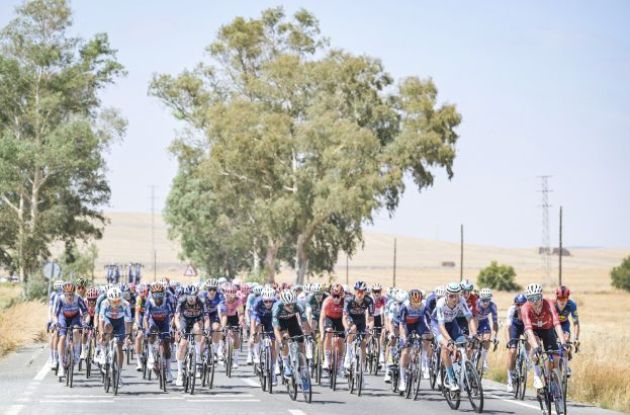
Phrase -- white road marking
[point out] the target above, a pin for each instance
(296, 412)
(222, 400)
(14, 410)
(75, 401)
(251, 382)
(74, 396)
(526, 405)
(42, 372)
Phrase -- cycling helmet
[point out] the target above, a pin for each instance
(230, 289)
(81, 282)
(257, 290)
(287, 297)
(142, 289)
(467, 285)
(58, 284)
(68, 287)
(157, 287)
(211, 284)
(485, 294)
(297, 288)
(453, 288)
(268, 294)
(400, 296)
(337, 289)
(191, 290)
(533, 289)
(377, 287)
(415, 296)
(222, 280)
(114, 294)
(92, 294)
(563, 292)
(360, 285)
(520, 299)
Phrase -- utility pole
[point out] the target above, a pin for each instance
(153, 250)
(560, 253)
(394, 276)
(461, 253)
(545, 249)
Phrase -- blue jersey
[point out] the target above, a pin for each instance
(279, 312)
(249, 304)
(260, 312)
(353, 309)
(570, 309)
(158, 313)
(69, 309)
(115, 312)
(484, 313)
(410, 315)
(212, 306)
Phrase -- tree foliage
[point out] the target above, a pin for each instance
(296, 143)
(499, 277)
(620, 275)
(53, 133)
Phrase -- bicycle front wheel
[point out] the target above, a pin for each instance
(452, 397)
(557, 393)
(474, 388)
(292, 387)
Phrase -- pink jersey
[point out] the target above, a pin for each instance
(230, 308)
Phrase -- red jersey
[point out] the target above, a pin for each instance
(547, 319)
(471, 302)
(332, 310)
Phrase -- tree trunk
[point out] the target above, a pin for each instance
(302, 259)
(270, 261)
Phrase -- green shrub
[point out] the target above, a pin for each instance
(620, 275)
(498, 277)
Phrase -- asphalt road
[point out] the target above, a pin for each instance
(28, 387)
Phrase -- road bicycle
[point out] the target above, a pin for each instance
(337, 344)
(466, 377)
(413, 372)
(111, 371)
(551, 392)
(373, 352)
(228, 337)
(521, 367)
(300, 378)
(355, 375)
(264, 367)
(189, 366)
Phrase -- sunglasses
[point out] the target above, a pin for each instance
(267, 301)
(485, 301)
(376, 291)
(453, 295)
(562, 298)
(359, 291)
(534, 298)
(336, 296)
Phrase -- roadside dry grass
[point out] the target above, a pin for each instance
(21, 324)
(8, 293)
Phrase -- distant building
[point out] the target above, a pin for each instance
(555, 251)
(448, 264)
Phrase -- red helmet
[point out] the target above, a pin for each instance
(92, 294)
(563, 292)
(337, 289)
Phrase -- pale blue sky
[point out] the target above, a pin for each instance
(543, 88)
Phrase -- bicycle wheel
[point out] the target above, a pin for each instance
(192, 372)
(474, 388)
(185, 377)
(70, 372)
(228, 359)
(409, 386)
(395, 375)
(269, 369)
(115, 372)
(332, 374)
(292, 386)
(417, 380)
(307, 388)
(434, 367)
(90, 356)
(359, 374)
(557, 393)
(376, 355)
(565, 384)
(453, 398)
(65, 362)
(106, 378)
(318, 364)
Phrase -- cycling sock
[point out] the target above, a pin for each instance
(484, 356)
(256, 349)
(179, 365)
(198, 351)
(509, 376)
(450, 373)
(537, 370)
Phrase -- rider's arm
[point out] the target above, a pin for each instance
(576, 322)
(556, 322)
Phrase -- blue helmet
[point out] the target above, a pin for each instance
(520, 299)
(360, 285)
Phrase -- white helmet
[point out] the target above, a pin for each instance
(58, 284)
(257, 290)
(533, 289)
(485, 294)
(377, 287)
(268, 293)
(287, 297)
(453, 288)
(316, 287)
(401, 296)
(114, 293)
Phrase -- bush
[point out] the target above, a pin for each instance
(620, 275)
(37, 288)
(498, 277)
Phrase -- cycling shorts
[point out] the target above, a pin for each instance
(292, 326)
(334, 324)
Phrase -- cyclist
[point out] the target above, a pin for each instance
(102, 296)
(139, 305)
(515, 329)
(231, 314)
(446, 329)
(469, 294)
(331, 319)
(412, 318)
(380, 301)
(313, 302)
(567, 308)
(212, 298)
(261, 320)
(156, 319)
(81, 285)
(88, 319)
(484, 309)
(288, 318)
(392, 324)
(52, 303)
(541, 323)
(249, 322)
(190, 316)
(69, 308)
(355, 321)
(115, 319)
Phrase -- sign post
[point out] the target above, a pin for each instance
(52, 270)
(190, 271)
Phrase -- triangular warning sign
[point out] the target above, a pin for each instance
(190, 271)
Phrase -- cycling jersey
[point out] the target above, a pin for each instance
(331, 309)
(314, 306)
(445, 314)
(414, 318)
(570, 309)
(249, 304)
(190, 311)
(212, 305)
(115, 312)
(158, 317)
(515, 324)
(483, 314)
(546, 319)
(230, 308)
(356, 310)
(379, 304)
(69, 309)
(280, 313)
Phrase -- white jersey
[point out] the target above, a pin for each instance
(444, 314)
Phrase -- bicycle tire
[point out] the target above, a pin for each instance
(318, 364)
(333, 369)
(474, 387)
(70, 372)
(453, 399)
(434, 369)
(395, 375)
(409, 386)
(557, 393)
(269, 370)
(308, 393)
(292, 387)
(192, 372)
(565, 384)
(229, 357)
(417, 381)
(65, 364)
(115, 373)
(106, 378)
(90, 356)
(359, 375)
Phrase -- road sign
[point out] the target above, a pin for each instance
(190, 271)
(52, 270)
